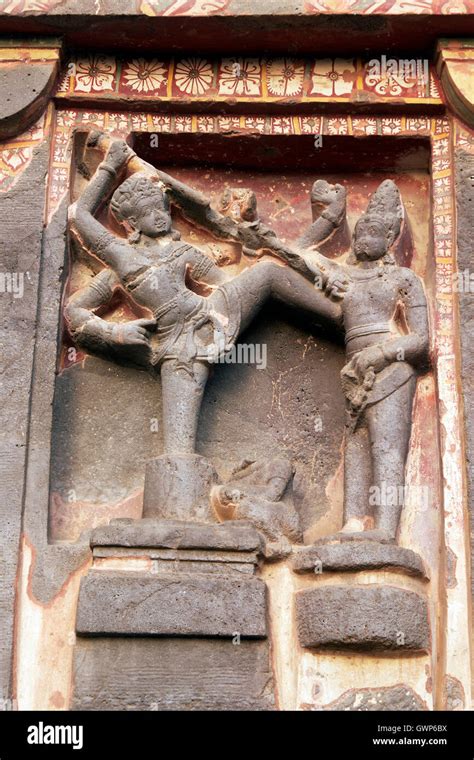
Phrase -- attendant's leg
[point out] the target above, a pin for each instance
(181, 402)
(357, 479)
(389, 428)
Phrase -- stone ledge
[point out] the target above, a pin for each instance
(363, 618)
(173, 534)
(174, 555)
(125, 603)
(354, 556)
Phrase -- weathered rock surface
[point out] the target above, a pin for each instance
(362, 618)
(172, 674)
(354, 556)
(138, 604)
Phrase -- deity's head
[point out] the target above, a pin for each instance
(141, 206)
(378, 228)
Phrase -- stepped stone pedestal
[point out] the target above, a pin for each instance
(178, 605)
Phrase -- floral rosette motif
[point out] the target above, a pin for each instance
(285, 76)
(193, 76)
(144, 76)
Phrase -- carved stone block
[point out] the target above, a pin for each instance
(134, 603)
(172, 674)
(174, 534)
(175, 547)
(362, 618)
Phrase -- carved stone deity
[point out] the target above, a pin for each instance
(385, 318)
(195, 312)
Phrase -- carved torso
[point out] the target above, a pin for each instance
(161, 287)
(371, 303)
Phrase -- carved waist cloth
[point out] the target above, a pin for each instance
(390, 380)
(183, 340)
(362, 331)
(386, 382)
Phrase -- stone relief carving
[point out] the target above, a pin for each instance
(254, 493)
(196, 312)
(387, 340)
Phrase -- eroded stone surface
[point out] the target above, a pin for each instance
(400, 697)
(454, 695)
(94, 466)
(354, 556)
(362, 618)
(21, 219)
(465, 214)
(134, 603)
(167, 674)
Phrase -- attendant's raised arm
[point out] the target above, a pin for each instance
(328, 203)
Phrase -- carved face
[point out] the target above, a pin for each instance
(370, 239)
(153, 222)
(140, 204)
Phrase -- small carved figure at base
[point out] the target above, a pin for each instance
(254, 494)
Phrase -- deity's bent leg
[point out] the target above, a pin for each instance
(267, 279)
(357, 478)
(292, 288)
(182, 395)
(389, 428)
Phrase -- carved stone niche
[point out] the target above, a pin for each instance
(270, 406)
(215, 300)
